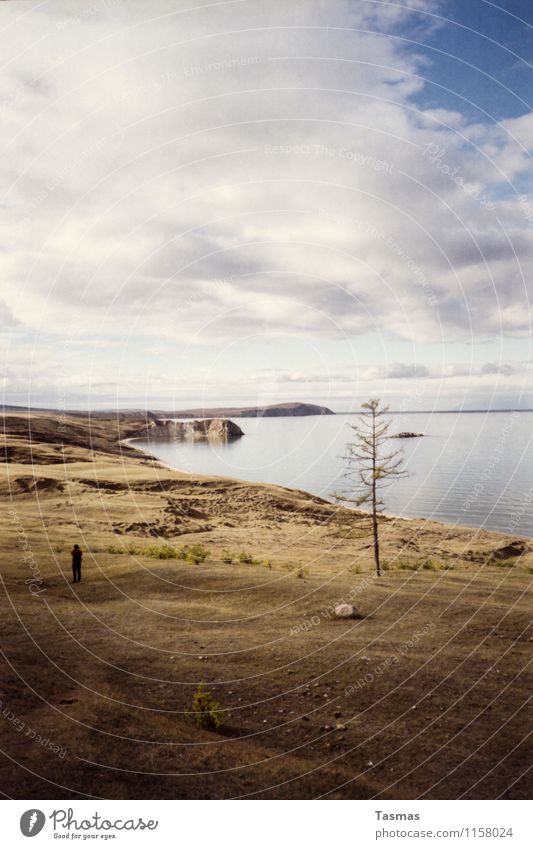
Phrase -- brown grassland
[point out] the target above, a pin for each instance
(423, 696)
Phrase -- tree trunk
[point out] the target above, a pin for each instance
(376, 542)
(374, 498)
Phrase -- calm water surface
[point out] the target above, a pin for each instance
(470, 468)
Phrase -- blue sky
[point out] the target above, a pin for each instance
(228, 203)
(484, 55)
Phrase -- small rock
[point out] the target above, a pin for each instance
(370, 763)
(346, 611)
(340, 727)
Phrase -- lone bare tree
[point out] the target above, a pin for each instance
(371, 464)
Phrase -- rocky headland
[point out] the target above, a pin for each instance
(212, 429)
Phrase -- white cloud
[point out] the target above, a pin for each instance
(194, 177)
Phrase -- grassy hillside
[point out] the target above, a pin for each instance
(423, 696)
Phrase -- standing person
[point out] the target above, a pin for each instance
(76, 563)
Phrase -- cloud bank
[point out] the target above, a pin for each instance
(199, 197)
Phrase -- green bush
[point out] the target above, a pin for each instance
(245, 557)
(425, 563)
(227, 556)
(126, 549)
(158, 552)
(197, 553)
(206, 712)
(406, 564)
(509, 563)
(161, 552)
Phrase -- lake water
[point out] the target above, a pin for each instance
(470, 468)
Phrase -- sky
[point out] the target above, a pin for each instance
(242, 202)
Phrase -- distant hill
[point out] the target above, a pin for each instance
(292, 408)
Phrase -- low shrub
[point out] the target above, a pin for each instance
(406, 565)
(206, 712)
(161, 552)
(423, 563)
(296, 568)
(505, 564)
(126, 549)
(245, 557)
(227, 556)
(197, 553)
(158, 552)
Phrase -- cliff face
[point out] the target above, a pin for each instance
(216, 429)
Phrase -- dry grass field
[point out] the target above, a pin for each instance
(424, 696)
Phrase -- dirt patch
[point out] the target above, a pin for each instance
(517, 548)
(25, 485)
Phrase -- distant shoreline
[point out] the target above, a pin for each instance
(231, 411)
(111, 441)
(366, 512)
(438, 412)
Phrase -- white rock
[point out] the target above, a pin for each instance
(346, 611)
